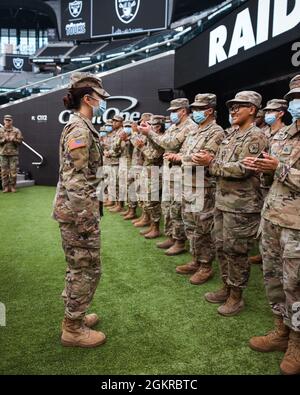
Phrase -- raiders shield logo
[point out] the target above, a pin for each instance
(75, 8)
(18, 63)
(127, 10)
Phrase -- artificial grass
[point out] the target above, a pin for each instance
(155, 321)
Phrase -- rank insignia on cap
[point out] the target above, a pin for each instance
(254, 148)
(76, 143)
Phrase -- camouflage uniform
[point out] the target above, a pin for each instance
(115, 152)
(76, 207)
(9, 154)
(281, 229)
(153, 159)
(198, 225)
(172, 141)
(77, 211)
(137, 161)
(238, 201)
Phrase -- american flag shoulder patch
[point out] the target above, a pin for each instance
(76, 143)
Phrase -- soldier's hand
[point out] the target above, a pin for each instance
(140, 143)
(123, 136)
(172, 157)
(144, 128)
(202, 158)
(266, 165)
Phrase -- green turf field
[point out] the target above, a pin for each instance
(155, 321)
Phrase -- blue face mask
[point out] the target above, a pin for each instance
(100, 109)
(174, 117)
(199, 116)
(127, 130)
(230, 119)
(103, 134)
(294, 109)
(270, 119)
(167, 125)
(108, 128)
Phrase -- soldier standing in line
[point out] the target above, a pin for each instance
(199, 224)
(260, 121)
(281, 238)
(171, 142)
(106, 143)
(137, 162)
(127, 151)
(274, 112)
(239, 201)
(114, 154)
(10, 139)
(153, 159)
(76, 208)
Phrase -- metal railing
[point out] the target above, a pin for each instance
(37, 164)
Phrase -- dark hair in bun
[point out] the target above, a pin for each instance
(72, 100)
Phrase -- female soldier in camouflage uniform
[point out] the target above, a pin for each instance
(76, 208)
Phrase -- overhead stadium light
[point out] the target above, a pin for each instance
(115, 54)
(80, 59)
(219, 11)
(41, 60)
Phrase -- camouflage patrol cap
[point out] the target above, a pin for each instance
(109, 122)
(276, 104)
(83, 80)
(8, 117)
(246, 97)
(294, 88)
(118, 118)
(167, 120)
(157, 120)
(205, 100)
(146, 116)
(179, 103)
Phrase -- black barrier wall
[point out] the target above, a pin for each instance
(134, 90)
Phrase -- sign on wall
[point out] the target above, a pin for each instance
(75, 19)
(249, 31)
(17, 63)
(119, 17)
(85, 19)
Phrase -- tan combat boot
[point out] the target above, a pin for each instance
(138, 219)
(13, 189)
(219, 296)
(203, 274)
(234, 304)
(125, 212)
(131, 214)
(6, 190)
(89, 320)
(166, 244)
(117, 209)
(154, 232)
(144, 222)
(189, 268)
(276, 340)
(290, 364)
(108, 203)
(255, 260)
(177, 248)
(148, 230)
(75, 334)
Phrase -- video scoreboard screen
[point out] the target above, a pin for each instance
(86, 19)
